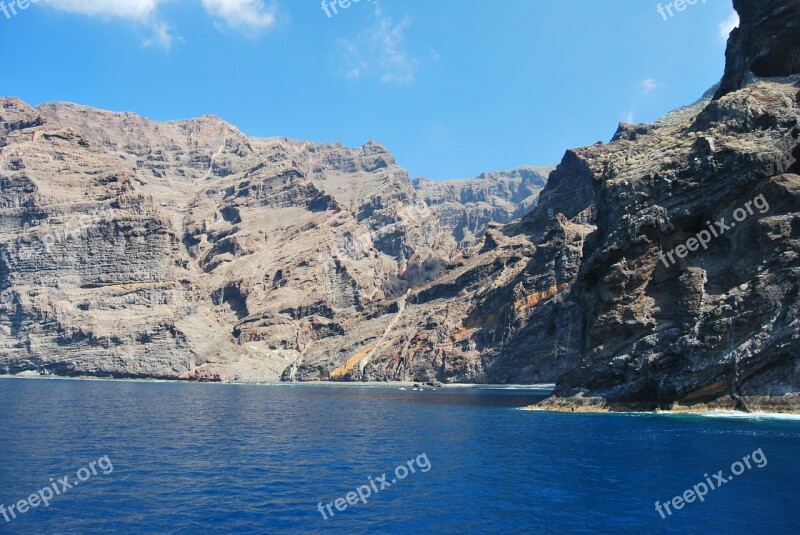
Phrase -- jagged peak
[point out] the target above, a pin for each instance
(765, 44)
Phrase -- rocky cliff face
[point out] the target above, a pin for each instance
(764, 45)
(688, 287)
(655, 271)
(186, 249)
(467, 207)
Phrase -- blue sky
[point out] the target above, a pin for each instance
(451, 88)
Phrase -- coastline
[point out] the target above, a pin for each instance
(788, 404)
(547, 388)
(710, 413)
(577, 404)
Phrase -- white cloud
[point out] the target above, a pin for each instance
(141, 11)
(648, 86)
(727, 26)
(380, 49)
(355, 72)
(129, 9)
(161, 35)
(628, 118)
(250, 14)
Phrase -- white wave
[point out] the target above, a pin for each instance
(502, 387)
(751, 415)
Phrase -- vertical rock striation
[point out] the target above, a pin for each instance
(764, 45)
(690, 286)
(132, 248)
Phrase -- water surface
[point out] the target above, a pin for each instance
(199, 458)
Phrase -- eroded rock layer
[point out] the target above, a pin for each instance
(689, 288)
(186, 249)
(659, 270)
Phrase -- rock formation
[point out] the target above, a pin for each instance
(764, 45)
(669, 318)
(659, 270)
(132, 248)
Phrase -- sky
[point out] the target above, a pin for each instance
(451, 87)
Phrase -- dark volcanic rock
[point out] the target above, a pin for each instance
(668, 321)
(766, 43)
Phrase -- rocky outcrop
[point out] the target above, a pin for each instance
(657, 271)
(132, 248)
(16, 115)
(690, 286)
(764, 45)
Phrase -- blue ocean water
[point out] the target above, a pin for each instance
(203, 458)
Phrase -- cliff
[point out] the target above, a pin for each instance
(132, 248)
(689, 286)
(657, 271)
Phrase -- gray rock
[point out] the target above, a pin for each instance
(132, 248)
(719, 326)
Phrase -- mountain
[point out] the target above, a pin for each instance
(466, 207)
(689, 287)
(657, 271)
(660, 270)
(132, 248)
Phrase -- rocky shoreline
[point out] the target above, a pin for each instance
(787, 404)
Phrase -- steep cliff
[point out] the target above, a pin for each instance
(764, 45)
(132, 248)
(467, 207)
(659, 270)
(689, 288)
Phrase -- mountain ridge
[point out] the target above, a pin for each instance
(185, 204)
(219, 257)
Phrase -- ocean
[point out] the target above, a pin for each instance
(160, 457)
